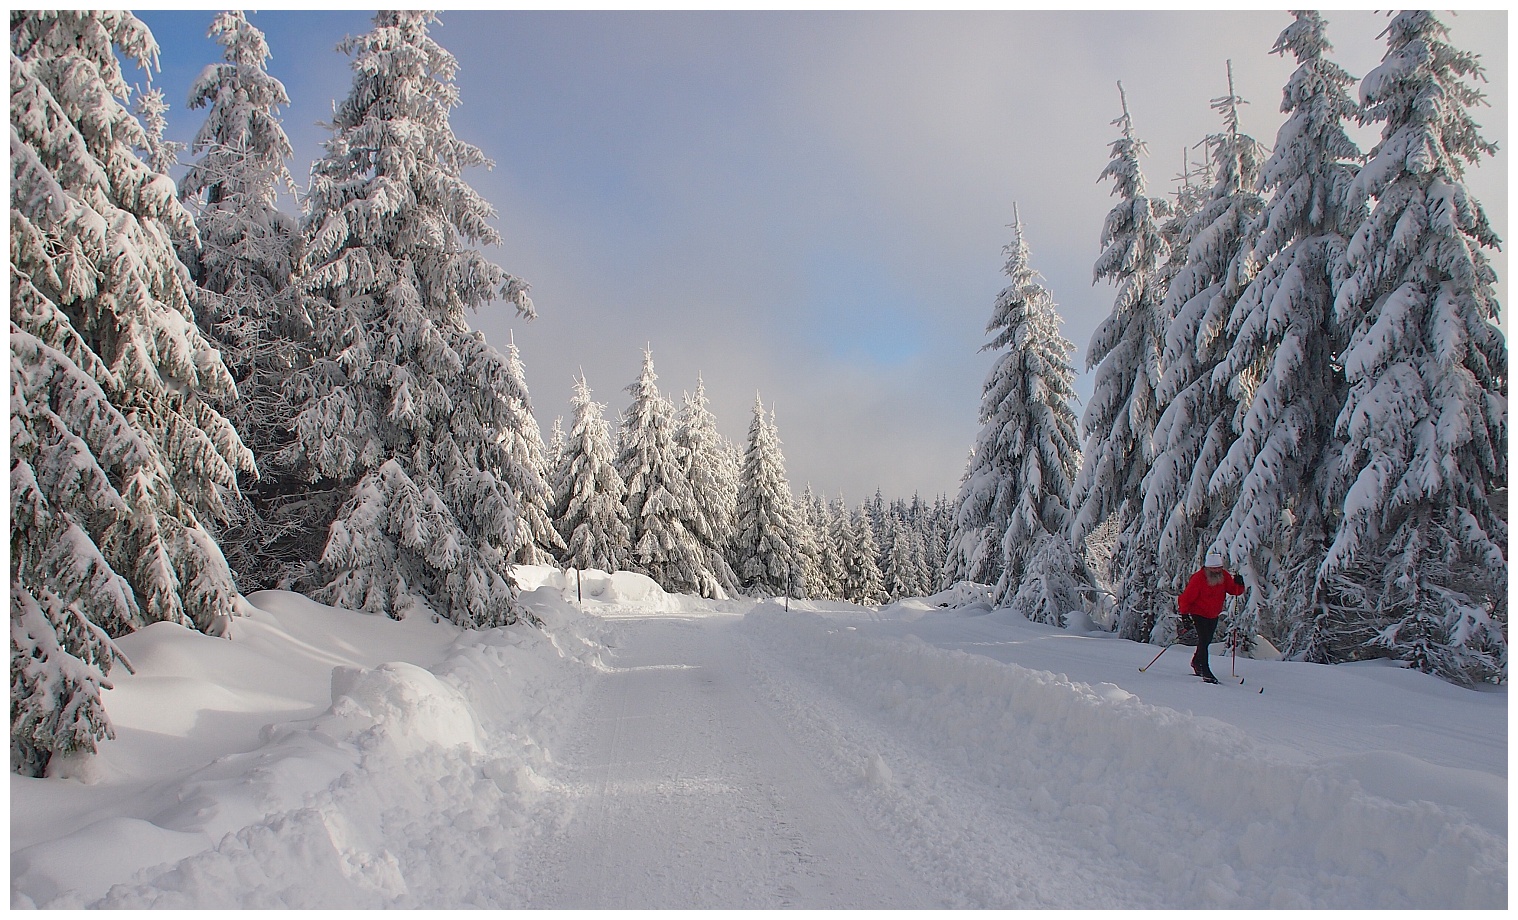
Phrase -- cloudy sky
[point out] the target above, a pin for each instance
(812, 207)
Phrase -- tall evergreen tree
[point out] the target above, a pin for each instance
(905, 575)
(589, 511)
(661, 507)
(405, 412)
(765, 554)
(557, 450)
(1285, 344)
(836, 537)
(1182, 512)
(713, 474)
(529, 476)
(1017, 495)
(1125, 352)
(248, 304)
(863, 582)
(811, 543)
(118, 459)
(1419, 558)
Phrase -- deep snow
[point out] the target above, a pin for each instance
(661, 751)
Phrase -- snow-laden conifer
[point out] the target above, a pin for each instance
(160, 153)
(1182, 512)
(765, 555)
(1418, 564)
(247, 303)
(904, 575)
(808, 545)
(810, 540)
(557, 446)
(589, 511)
(1018, 488)
(1119, 422)
(406, 413)
(712, 469)
(836, 535)
(118, 460)
(863, 582)
(529, 475)
(1194, 187)
(661, 507)
(1286, 342)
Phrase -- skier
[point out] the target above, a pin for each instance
(1203, 602)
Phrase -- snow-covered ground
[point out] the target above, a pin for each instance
(664, 752)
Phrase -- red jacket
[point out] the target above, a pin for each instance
(1201, 599)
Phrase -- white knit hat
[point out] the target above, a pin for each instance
(1214, 559)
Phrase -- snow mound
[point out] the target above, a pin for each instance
(398, 704)
(607, 589)
(405, 786)
(962, 594)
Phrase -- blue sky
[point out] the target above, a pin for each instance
(813, 206)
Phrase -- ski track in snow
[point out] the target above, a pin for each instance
(669, 753)
(679, 789)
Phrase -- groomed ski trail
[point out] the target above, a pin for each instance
(678, 787)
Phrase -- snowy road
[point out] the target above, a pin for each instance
(679, 788)
(645, 750)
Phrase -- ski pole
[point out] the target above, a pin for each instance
(1233, 633)
(1233, 640)
(1162, 651)
(1155, 658)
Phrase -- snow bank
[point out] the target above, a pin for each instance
(962, 594)
(1191, 801)
(404, 790)
(602, 589)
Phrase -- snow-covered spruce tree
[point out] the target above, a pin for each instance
(904, 572)
(862, 582)
(117, 458)
(1182, 511)
(810, 543)
(765, 557)
(837, 534)
(1016, 496)
(589, 511)
(1194, 187)
(246, 301)
(875, 512)
(529, 475)
(406, 413)
(1285, 342)
(1119, 421)
(941, 522)
(556, 457)
(908, 571)
(973, 552)
(1418, 565)
(160, 153)
(661, 508)
(712, 469)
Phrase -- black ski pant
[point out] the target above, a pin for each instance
(1205, 628)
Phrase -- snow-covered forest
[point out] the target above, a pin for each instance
(308, 611)
(1303, 369)
(213, 395)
